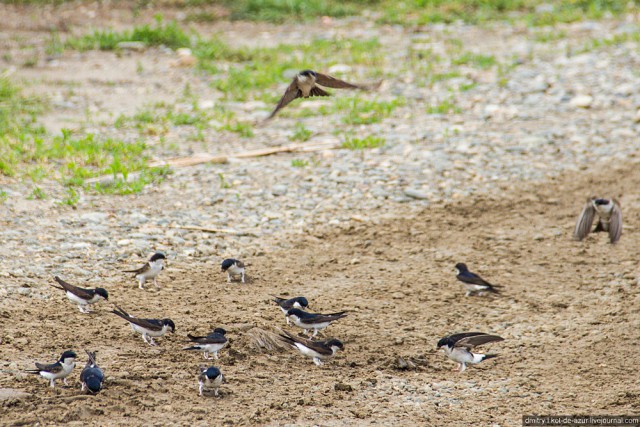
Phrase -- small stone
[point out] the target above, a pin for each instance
(135, 46)
(95, 217)
(342, 387)
(582, 101)
(279, 190)
(123, 242)
(415, 194)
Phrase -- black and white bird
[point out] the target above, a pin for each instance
(319, 351)
(288, 304)
(315, 321)
(59, 370)
(149, 328)
(305, 84)
(210, 378)
(150, 270)
(472, 282)
(91, 376)
(234, 268)
(209, 344)
(609, 215)
(458, 347)
(82, 296)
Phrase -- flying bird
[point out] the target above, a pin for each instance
(212, 343)
(81, 296)
(234, 268)
(150, 270)
(472, 282)
(55, 371)
(210, 378)
(314, 321)
(149, 328)
(458, 347)
(305, 84)
(91, 376)
(609, 219)
(287, 304)
(317, 350)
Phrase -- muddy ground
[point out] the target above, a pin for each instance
(568, 313)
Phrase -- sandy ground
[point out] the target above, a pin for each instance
(568, 313)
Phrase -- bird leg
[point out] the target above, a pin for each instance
(140, 283)
(84, 387)
(288, 321)
(155, 283)
(463, 366)
(215, 391)
(243, 277)
(317, 361)
(64, 380)
(200, 388)
(52, 383)
(315, 332)
(206, 356)
(228, 277)
(215, 354)
(151, 341)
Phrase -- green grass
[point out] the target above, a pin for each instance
(444, 107)
(37, 193)
(299, 163)
(300, 133)
(168, 34)
(370, 141)
(292, 10)
(358, 111)
(422, 12)
(28, 152)
(476, 60)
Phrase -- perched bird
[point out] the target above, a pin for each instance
(82, 296)
(304, 85)
(609, 219)
(149, 328)
(233, 267)
(150, 270)
(473, 282)
(458, 347)
(91, 376)
(212, 343)
(314, 321)
(287, 304)
(59, 370)
(210, 378)
(317, 350)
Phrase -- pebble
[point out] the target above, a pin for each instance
(582, 101)
(279, 190)
(416, 194)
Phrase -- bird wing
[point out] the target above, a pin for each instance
(290, 94)
(585, 221)
(473, 279)
(317, 346)
(313, 318)
(328, 81)
(53, 368)
(150, 324)
(213, 338)
(79, 292)
(140, 270)
(239, 264)
(476, 340)
(615, 224)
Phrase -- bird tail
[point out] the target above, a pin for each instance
(278, 300)
(195, 347)
(316, 91)
(92, 358)
(287, 338)
(120, 312)
(60, 281)
(489, 356)
(339, 314)
(32, 371)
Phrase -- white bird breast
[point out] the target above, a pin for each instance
(309, 352)
(142, 330)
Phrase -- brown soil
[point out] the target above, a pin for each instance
(568, 313)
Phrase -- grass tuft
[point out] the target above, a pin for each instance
(370, 141)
